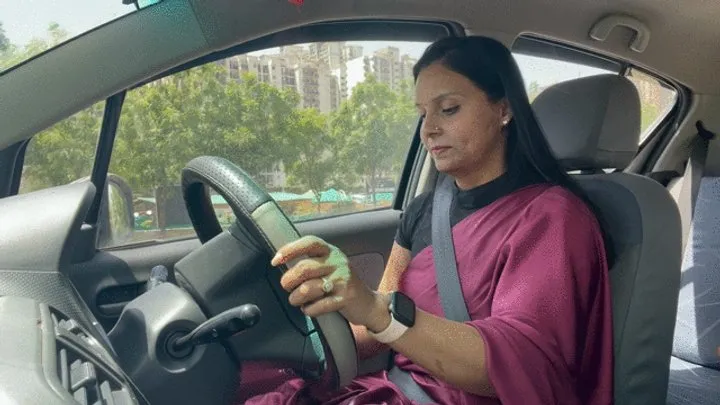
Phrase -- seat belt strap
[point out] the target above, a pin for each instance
(692, 177)
(446, 275)
(403, 380)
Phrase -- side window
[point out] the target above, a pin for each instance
(62, 153)
(323, 127)
(540, 72)
(656, 99)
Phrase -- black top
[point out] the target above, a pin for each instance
(414, 230)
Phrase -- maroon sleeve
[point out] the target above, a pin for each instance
(548, 339)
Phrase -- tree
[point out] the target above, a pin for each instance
(649, 112)
(533, 90)
(312, 163)
(11, 55)
(4, 40)
(200, 112)
(64, 152)
(371, 129)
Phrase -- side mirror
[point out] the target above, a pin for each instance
(116, 222)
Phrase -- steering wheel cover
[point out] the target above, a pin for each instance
(260, 215)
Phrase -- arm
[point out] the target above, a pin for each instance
(548, 338)
(451, 351)
(397, 263)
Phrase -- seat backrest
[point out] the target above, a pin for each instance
(593, 124)
(697, 331)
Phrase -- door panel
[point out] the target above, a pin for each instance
(113, 278)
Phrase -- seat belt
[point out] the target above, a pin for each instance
(692, 177)
(446, 275)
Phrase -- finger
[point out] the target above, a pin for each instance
(331, 303)
(304, 270)
(310, 246)
(307, 292)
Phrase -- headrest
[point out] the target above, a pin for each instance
(591, 122)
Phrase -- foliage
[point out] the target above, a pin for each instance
(371, 131)
(4, 40)
(203, 111)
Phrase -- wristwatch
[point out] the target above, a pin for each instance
(402, 317)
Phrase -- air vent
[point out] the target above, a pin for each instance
(88, 383)
(80, 370)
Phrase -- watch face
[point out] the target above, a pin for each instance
(403, 309)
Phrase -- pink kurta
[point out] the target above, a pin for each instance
(534, 276)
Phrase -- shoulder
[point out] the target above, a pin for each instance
(553, 200)
(419, 205)
(558, 207)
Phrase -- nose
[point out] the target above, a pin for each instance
(429, 128)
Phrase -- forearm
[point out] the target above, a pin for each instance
(451, 351)
(367, 347)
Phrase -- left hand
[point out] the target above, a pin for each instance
(327, 265)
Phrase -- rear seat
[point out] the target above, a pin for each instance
(695, 362)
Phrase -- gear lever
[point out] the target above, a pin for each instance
(219, 327)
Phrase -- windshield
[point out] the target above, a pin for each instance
(30, 27)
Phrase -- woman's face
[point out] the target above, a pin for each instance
(462, 128)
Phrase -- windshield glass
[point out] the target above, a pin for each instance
(30, 27)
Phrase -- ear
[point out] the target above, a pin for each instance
(505, 112)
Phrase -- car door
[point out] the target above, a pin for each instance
(285, 109)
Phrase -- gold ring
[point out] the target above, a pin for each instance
(327, 285)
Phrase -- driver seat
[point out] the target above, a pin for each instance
(592, 125)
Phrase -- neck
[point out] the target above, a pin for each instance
(478, 179)
(494, 166)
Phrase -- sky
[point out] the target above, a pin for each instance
(24, 19)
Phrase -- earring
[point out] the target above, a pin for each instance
(505, 121)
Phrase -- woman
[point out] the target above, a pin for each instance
(529, 248)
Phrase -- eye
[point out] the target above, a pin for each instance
(451, 110)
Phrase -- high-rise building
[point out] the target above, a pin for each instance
(352, 52)
(329, 53)
(308, 82)
(387, 65)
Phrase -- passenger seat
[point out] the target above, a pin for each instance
(695, 364)
(593, 124)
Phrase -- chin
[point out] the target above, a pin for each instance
(447, 168)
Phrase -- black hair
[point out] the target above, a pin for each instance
(492, 68)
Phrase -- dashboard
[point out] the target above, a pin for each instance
(52, 359)
(53, 349)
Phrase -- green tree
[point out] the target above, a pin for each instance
(4, 40)
(371, 131)
(312, 162)
(533, 90)
(64, 152)
(649, 113)
(200, 112)
(11, 55)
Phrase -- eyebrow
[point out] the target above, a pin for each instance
(441, 96)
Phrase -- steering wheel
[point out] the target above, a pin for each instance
(232, 268)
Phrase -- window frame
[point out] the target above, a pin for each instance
(649, 149)
(544, 47)
(332, 31)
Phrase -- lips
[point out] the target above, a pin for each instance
(438, 149)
